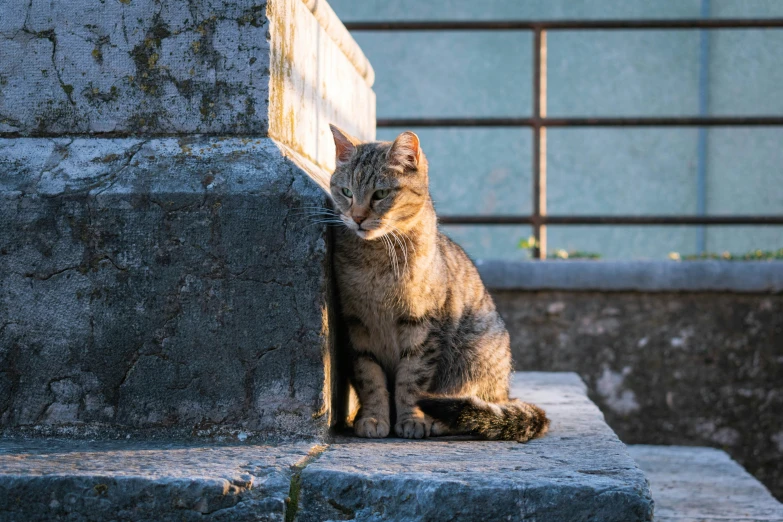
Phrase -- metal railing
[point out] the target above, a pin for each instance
(539, 121)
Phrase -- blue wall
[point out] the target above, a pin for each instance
(591, 73)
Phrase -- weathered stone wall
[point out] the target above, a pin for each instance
(160, 283)
(134, 66)
(319, 76)
(283, 68)
(699, 368)
(160, 267)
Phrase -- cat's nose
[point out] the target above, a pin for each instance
(359, 218)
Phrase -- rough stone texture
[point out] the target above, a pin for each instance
(666, 368)
(579, 471)
(703, 485)
(134, 66)
(152, 278)
(129, 480)
(246, 67)
(161, 283)
(313, 83)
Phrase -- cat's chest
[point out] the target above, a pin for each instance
(371, 294)
(379, 292)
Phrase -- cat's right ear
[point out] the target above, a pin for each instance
(344, 144)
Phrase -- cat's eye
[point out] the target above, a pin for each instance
(347, 193)
(380, 194)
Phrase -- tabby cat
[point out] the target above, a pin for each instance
(430, 352)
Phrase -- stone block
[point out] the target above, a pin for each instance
(146, 481)
(161, 267)
(703, 485)
(579, 471)
(143, 67)
(681, 356)
(161, 283)
(283, 69)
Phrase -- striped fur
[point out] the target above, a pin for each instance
(512, 420)
(430, 352)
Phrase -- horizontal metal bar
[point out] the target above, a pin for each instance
(455, 122)
(612, 220)
(529, 25)
(630, 121)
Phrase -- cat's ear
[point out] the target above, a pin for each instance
(344, 144)
(405, 150)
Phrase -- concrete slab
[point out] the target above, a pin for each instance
(140, 481)
(703, 485)
(579, 471)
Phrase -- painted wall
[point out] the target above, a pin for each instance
(597, 73)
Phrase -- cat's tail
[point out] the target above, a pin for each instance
(512, 420)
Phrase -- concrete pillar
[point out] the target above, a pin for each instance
(159, 269)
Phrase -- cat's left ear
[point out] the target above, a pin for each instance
(405, 151)
(344, 144)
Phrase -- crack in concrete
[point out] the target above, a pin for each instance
(295, 489)
(134, 150)
(50, 35)
(6, 325)
(58, 154)
(82, 268)
(134, 360)
(45, 277)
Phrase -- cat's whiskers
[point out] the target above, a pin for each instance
(405, 240)
(390, 252)
(394, 255)
(309, 214)
(392, 242)
(323, 222)
(404, 235)
(318, 216)
(403, 248)
(316, 207)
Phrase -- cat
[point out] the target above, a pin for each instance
(430, 351)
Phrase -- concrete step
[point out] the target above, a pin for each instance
(579, 471)
(703, 485)
(44, 480)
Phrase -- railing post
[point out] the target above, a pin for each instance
(539, 142)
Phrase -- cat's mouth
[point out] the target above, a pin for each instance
(374, 233)
(366, 230)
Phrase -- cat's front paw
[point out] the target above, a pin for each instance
(413, 428)
(371, 428)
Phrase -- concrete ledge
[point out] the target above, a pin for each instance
(580, 471)
(642, 276)
(128, 480)
(703, 485)
(668, 367)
